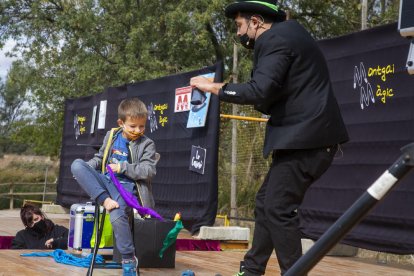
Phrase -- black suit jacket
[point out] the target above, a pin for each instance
(290, 82)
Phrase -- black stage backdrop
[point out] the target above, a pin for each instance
(376, 97)
(175, 187)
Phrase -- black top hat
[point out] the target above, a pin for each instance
(267, 8)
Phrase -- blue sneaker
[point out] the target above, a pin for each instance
(188, 272)
(130, 267)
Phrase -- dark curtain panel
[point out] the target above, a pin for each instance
(79, 142)
(175, 187)
(376, 97)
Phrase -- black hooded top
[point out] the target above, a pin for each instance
(29, 239)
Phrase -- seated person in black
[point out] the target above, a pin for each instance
(40, 232)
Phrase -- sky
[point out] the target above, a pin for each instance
(5, 62)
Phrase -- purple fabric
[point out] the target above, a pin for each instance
(6, 242)
(197, 245)
(130, 199)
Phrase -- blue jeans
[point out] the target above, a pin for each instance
(96, 184)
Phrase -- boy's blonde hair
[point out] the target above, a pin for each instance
(132, 107)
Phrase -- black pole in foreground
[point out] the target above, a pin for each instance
(98, 234)
(355, 213)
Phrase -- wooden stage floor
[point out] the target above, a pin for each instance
(203, 263)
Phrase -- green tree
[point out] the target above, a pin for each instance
(80, 47)
(12, 111)
(327, 19)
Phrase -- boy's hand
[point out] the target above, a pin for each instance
(110, 204)
(116, 168)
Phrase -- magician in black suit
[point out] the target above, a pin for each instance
(290, 82)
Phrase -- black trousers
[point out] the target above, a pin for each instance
(277, 201)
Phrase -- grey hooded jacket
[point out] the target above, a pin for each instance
(140, 166)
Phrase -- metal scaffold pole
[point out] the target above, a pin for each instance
(233, 188)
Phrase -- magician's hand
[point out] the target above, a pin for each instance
(206, 85)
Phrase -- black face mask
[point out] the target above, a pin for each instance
(247, 42)
(40, 227)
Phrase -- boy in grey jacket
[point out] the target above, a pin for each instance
(131, 155)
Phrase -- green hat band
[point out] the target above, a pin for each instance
(273, 7)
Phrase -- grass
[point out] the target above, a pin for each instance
(27, 169)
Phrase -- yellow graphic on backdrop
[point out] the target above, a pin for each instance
(163, 120)
(81, 120)
(160, 107)
(383, 72)
(384, 93)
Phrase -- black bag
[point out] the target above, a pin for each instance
(149, 235)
